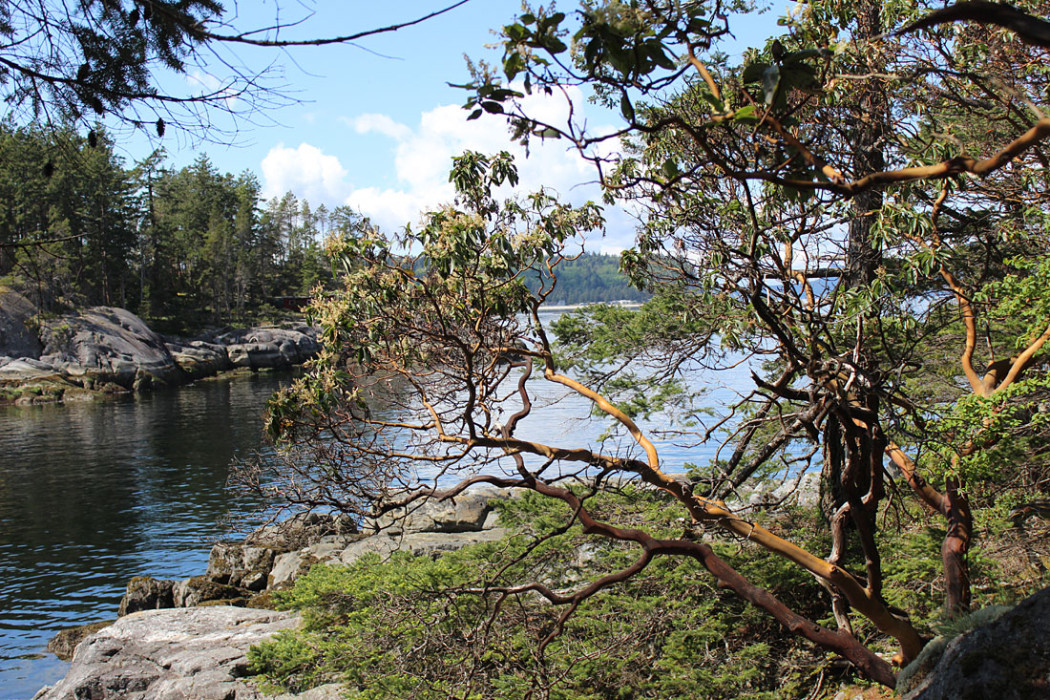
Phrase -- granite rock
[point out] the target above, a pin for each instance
(1007, 659)
(467, 512)
(170, 654)
(270, 347)
(107, 344)
(197, 358)
(147, 593)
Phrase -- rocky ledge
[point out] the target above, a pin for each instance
(106, 350)
(159, 654)
(189, 638)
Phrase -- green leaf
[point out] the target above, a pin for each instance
(659, 56)
(718, 105)
(626, 108)
(554, 45)
(619, 58)
(799, 75)
(746, 115)
(753, 72)
(590, 54)
(515, 32)
(514, 64)
(698, 25)
(796, 56)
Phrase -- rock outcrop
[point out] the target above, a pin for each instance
(199, 358)
(272, 557)
(169, 655)
(269, 347)
(108, 345)
(147, 593)
(109, 350)
(1008, 659)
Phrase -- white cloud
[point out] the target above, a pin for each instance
(421, 156)
(212, 86)
(305, 171)
(378, 123)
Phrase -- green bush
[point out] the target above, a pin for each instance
(419, 627)
(425, 628)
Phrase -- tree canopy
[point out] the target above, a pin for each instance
(64, 63)
(857, 210)
(184, 247)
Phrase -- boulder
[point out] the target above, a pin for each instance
(26, 369)
(288, 567)
(1007, 659)
(270, 347)
(198, 358)
(65, 642)
(276, 554)
(468, 512)
(302, 530)
(805, 492)
(16, 316)
(108, 344)
(426, 528)
(240, 564)
(147, 593)
(171, 654)
(199, 590)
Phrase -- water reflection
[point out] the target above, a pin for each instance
(93, 494)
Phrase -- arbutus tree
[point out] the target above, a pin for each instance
(815, 211)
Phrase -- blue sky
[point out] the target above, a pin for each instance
(376, 124)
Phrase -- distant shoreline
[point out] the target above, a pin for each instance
(574, 307)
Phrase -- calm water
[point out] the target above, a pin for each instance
(93, 494)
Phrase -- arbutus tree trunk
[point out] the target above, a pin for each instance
(851, 479)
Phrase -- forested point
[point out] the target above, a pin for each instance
(182, 247)
(590, 278)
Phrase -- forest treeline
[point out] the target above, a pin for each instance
(181, 247)
(591, 278)
(78, 227)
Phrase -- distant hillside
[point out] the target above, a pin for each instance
(591, 279)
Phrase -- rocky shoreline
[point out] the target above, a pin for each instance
(106, 350)
(190, 638)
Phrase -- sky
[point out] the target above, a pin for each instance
(375, 125)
